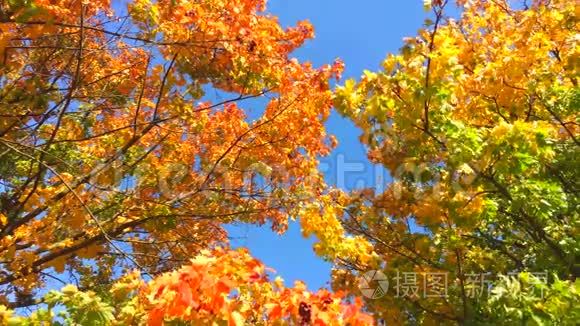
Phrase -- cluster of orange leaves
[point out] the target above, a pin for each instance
(166, 126)
(230, 285)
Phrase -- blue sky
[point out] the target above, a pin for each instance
(361, 33)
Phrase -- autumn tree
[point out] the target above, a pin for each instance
(218, 287)
(127, 142)
(477, 120)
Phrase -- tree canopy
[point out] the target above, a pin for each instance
(129, 140)
(477, 121)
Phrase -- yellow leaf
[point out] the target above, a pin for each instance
(88, 252)
(58, 264)
(69, 289)
(236, 319)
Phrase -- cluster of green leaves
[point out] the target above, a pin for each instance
(477, 120)
(69, 306)
(528, 300)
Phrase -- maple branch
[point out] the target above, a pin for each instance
(162, 87)
(230, 148)
(438, 16)
(433, 312)
(80, 200)
(9, 228)
(366, 232)
(562, 124)
(141, 92)
(36, 265)
(116, 34)
(497, 244)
